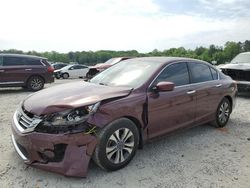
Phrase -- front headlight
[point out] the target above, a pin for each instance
(72, 117)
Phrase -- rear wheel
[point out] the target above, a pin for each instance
(65, 75)
(35, 83)
(118, 143)
(223, 113)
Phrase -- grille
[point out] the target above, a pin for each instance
(240, 75)
(25, 121)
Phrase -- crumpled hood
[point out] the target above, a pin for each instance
(69, 96)
(238, 66)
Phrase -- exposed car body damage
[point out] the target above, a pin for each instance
(41, 151)
(55, 100)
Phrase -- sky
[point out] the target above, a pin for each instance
(142, 25)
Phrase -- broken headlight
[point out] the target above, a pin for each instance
(72, 117)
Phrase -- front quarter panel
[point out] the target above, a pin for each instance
(130, 106)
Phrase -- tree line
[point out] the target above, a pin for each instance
(220, 54)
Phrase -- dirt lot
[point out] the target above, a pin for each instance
(198, 157)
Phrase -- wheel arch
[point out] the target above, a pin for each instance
(139, 128)
(230, 100)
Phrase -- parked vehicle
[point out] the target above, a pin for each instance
(58, 65)
(102, 66)
(116, 112)
(72, 71)
(26, 71)
(239, 70)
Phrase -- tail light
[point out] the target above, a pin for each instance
(50, 69)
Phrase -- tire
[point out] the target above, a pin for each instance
(35, 83)
(65, 75)
(112, 153)
(58, 77)
(222, 113)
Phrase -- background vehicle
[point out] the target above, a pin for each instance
(26, 71)
(58, 65)
(116, 112)
(102, 66)
(72, 71)
(239, 70)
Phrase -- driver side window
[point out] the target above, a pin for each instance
(176, 73)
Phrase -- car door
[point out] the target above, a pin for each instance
(84, 70)
(72, 71)
(168, 111)
(208, 89)
(13, 70)
(2, 75)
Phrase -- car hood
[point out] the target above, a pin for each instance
(238, 66)
(69, 96)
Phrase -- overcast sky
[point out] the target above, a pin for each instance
(143, 25)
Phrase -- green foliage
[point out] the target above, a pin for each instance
(212, 53)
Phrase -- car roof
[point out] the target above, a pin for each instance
(22, 55)
(164, 60)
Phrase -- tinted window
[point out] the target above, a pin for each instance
(13, 61)
(176, 73)
(30, 61)
(214, 73)
(1, 61)
(200, 72)
(79, 67)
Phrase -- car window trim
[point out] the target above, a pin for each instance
(218, 75)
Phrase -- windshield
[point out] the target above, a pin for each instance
(131, 73)
(241, 58)
(112, 61)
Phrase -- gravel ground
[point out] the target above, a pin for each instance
(199, 157)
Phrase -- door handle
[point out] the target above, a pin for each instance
(1, 70)
(218, 85)
(191, 92)
(28, 69)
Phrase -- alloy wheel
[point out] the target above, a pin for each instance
(224, 112)
(120, 145)
(36, 84)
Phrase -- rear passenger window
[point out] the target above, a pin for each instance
(176, 73)
(31, 61)
(214, 73)
(200, 72)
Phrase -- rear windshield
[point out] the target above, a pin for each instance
(241, 58)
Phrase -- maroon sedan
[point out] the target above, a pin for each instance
(114, 114)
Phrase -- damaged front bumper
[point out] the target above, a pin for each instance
(66, 154)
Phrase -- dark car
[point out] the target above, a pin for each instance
(102, 66)
(58, 65)
(26, 71)
(108, 118)
(239, 70)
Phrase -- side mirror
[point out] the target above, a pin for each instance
(164, 86)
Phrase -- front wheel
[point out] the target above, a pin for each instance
(118, 143)
(65, 75)
(223, 113)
